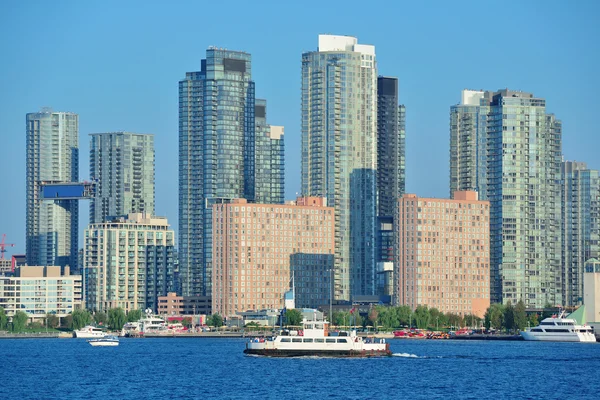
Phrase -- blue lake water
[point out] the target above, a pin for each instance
(216, 368)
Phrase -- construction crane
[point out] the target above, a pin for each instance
(3, 246)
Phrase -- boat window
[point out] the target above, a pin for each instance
(319, 341)
(547, 323)
(342, 340)
(558, 330)
(297, 340)
(318, 326)
(329, 340)
(537, 330)
(308, 326)
(286, 339)
(308, 341)
(343, 334)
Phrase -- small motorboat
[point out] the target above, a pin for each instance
(108, 340)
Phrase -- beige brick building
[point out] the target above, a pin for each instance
(444, 253)
(256, 246)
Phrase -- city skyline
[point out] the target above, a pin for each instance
(152, 107)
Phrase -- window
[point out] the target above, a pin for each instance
(342, 340)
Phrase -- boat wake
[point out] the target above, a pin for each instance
(405, 355)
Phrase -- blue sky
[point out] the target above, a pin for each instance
(117, 64)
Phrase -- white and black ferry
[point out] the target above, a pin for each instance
(316, 340)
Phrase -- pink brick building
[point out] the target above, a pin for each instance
(444, 253)
(253, 245)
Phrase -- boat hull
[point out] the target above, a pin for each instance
(318, 353)
(555, 337)
(104, 344)
(87, 335)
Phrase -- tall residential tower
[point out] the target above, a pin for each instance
(219, 155)
(122, 165)
(339, 152)
(505, 146)
(52, 157)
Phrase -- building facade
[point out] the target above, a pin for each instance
(591, 290)
(339, 152)
(38, 291)
(261, 250)
(52, 156)
(122, 167)
(443, 257)
(391, 146)
(509, 150)
(128, 263)
(580, 226)
(219, 155)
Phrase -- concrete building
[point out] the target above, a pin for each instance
(173, 304)
(52, 156)
(591, 292)
(443, 255)
(222, 148)
(580, 226)
(38, 290)
(128, 263)
(339, 152)
(5, 266)
(259, 248)
(506, 147)
(122, 166)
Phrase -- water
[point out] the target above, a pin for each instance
(216, 368)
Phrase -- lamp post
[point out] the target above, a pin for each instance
(330, 295)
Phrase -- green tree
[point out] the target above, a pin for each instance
(293, 317)
(116, 319)
(455, 320)
(472, 320)
(67, 322)
(52, 321)
(134, 315)
(19, 321)
(434, 317)
(422, 317)
(494, 316)
(373, 314)
(100, 318)
(520, 315)
(404, 315)
(534, 320)
(509, 316)
(3, 319)
(341, 318)
(187, 322)
(81, 318)
(215, 320)
(548, 310)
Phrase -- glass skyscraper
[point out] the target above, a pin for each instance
(581, 226)
(339, 152)
(122, 165)
(53, 157)
(218, 155)
(505, 146)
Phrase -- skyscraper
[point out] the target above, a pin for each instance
(52, 156)
(219, 155)
(391, 139)
(339, 152)
(505, 146)
(581, 226)
(122, 165)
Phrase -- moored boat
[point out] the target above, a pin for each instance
(108, 340)
(316, 340)
(89, 332)
(560, 328)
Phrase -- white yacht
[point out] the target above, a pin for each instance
(108, 340)
(316, 340)
(560, 328)
(89, 332)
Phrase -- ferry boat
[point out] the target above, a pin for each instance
(108, 340)
(89, 332)
(560, 328)
(316, 340)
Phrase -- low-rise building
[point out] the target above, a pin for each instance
(259, 249)
(443, 257)
(591, 292)
(173, 304)
(38, 291)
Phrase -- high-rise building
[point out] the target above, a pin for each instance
(265, 178)
(391, 146)
(339, 152)
(219, 155)
(261, 250)
(443, 253)
(128, 263)
(52, 157)
(581, 226)
(122, 166)
(505, 146)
